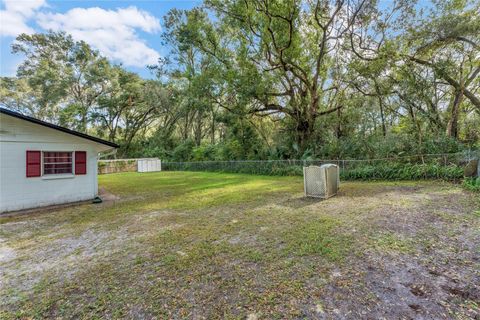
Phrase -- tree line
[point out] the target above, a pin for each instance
(260, 79)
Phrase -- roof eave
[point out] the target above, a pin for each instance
(59, 128)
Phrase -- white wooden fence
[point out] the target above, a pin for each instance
(129, 165)
(149, 165)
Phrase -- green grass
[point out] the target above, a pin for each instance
(178, 244)
(182, 190)
(389, 241)
(318, 237)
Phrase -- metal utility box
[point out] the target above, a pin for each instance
(321, 182)
(149, 165)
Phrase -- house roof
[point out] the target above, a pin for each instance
(53, 126)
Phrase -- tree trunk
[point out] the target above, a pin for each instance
(382, 115)
(186, 126)
(198, 129)
(304, 134)
(212, 139)
(382, 112)
(338, 128)
(452, 126)
(418, 128)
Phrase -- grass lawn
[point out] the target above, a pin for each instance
(211, 245)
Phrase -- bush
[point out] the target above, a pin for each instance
(472, 184)
(183, 152)
(156, 152)
(392, 145)
(404, 171)
(384, 171)
(205, 152)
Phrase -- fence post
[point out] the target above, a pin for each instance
(478, 166)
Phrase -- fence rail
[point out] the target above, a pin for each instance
(424, 166)
(443, 158)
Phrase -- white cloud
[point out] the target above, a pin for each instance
(12, 24)
(13, 20)
(24, 7)
(112, 32)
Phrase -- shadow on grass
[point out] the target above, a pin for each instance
(300, 202)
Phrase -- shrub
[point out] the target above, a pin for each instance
(404, 171)
(183, 152)
(472, 184)
(384, 171)
(205, 152)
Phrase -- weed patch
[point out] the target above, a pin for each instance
(391, 242)
(319, 237)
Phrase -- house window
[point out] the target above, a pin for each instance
(57, 162)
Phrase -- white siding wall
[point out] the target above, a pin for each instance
(19, 192)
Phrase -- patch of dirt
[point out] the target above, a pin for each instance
(399, 288)
(6, 253)
(439, 280)
(43, 210)
(61, 254)
(243, 239)
(107, 196)
(413, 255)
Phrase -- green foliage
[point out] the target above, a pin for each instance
(155, 152)
(205, 152)
(247, 80)
(392, 145)
(401, 171)
(365, 172)
(67, 82)
(472, 184)
(231, 150)
(183, 152)
(64, 77)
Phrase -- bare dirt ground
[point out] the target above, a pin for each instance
(237, 246)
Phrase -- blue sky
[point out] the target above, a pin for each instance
(127, 32)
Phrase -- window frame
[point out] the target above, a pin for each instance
(72, 163)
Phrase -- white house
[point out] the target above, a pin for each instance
(44, 164)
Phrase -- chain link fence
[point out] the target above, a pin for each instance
(427, 166)
(447, 166)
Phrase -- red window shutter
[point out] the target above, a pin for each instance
(80, 162)
(33, 164)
